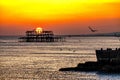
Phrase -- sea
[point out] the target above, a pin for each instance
(42, 60)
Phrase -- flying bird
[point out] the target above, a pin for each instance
(92, 30)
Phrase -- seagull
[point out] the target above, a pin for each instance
(92, 30)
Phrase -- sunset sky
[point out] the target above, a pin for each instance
(60, 16)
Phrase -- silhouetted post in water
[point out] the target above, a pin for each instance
(61, 49)
(74, 50)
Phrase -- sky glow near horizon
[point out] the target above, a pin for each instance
(58, 13)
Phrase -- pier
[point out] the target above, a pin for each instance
(39, 35)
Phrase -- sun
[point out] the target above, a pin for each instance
(39, 30)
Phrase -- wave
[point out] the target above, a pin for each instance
(8, 41)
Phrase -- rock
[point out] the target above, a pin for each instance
(94, 66)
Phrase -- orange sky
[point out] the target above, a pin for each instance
(61, 16)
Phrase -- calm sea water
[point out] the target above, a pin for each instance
(42, 61)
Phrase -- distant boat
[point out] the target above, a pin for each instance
(92, 30)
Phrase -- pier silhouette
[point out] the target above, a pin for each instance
(41, 36)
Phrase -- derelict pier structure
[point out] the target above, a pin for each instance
(39, 35)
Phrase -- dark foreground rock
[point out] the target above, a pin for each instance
(94, 66)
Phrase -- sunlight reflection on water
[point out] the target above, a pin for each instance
(41, 61)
